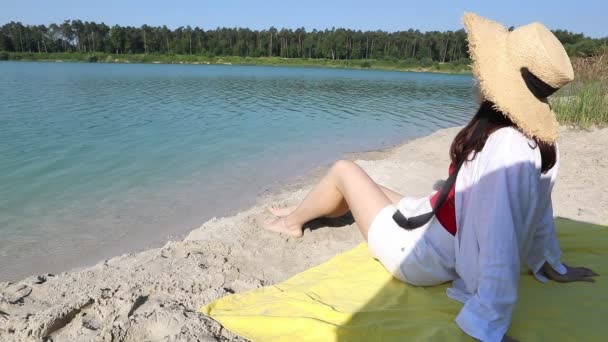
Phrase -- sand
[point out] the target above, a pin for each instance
(154, 295)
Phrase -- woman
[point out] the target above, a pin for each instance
(498, 215)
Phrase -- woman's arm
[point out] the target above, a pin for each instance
(496, 208)
(545, 255)
(544, 258)
(545, 246)
(496, 218)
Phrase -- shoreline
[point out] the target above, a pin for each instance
(254, 61)
(157, 292)
(174, 207)
(293, 182)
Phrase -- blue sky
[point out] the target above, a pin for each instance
(587, 16)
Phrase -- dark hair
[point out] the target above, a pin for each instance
(462, 146)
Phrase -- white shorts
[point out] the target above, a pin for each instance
(423, 256)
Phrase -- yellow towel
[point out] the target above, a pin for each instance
(352, 298)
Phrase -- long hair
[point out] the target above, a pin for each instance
(463, 147)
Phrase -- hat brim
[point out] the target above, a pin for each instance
(501, 82)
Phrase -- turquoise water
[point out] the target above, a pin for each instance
(102, 159)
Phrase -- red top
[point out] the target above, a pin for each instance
(446, 214)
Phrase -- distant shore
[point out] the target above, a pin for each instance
(363, 64)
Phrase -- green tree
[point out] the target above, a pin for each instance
(335, 43)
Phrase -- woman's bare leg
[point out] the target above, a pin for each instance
(344, 182)
(394, 196)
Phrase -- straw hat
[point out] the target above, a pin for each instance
(517, 70)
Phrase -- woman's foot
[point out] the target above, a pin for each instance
(281, 211)
(280, 225)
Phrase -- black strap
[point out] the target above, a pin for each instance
(420, 220)
(538, 87)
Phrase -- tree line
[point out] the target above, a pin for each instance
(336, 43)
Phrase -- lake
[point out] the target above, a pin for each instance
(102, 159)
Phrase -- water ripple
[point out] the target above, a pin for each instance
(99, 159)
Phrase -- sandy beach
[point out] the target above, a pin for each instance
(154, 295)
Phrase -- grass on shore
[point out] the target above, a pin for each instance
(584, 102)
(460, 66)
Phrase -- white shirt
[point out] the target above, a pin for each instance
(504, 217)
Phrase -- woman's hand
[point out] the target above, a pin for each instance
(572, 274)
